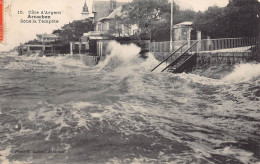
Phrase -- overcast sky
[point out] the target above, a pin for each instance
(17, 32)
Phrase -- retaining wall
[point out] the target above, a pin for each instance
(207, 58)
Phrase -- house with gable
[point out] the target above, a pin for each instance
(113, 25)
(106, 15)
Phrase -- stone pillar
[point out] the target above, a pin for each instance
(199, 39)
(97, 48)
(71, 48)
(28, 50)
(189, 36)
(101, 48)
(79, 47)
(208, 42)
(43, 48)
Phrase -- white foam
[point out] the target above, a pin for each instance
(81, 105)
(125, 53)
(96, 115)
(124, 60)
(244, 73)
(241, 155)
(64, 63)
(4, 154)
(47, 138)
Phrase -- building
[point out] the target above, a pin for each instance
(99, 9)
(184, 31)
(86, 14)
(112, 25)
(105, 15)
(112, 6)
(47, 38)
(106, 21)
(42, 46)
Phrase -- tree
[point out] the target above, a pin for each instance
(238, 19)
(184, 15)
(73, 31)
(115, 26)
(145, 13)
(153, 18)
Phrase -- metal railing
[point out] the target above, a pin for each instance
(222, 44)
(165, 60)
(227, 44)
(161, 50)
(190, 50)
(165, 46)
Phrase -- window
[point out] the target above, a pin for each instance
(103, 27)
(99, 27)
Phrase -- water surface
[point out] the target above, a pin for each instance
(58, 110)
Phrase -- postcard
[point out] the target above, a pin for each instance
(129, 81)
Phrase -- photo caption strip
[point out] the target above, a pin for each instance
(1, 20)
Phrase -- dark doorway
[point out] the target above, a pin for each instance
(193, 35)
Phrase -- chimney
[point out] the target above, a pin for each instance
(112, 6)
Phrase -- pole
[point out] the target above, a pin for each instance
(71, 48)
(258, 39)
(171, 26)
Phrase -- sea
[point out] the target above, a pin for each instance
(60, 110)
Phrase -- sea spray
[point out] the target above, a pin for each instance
(119, 55)
(126, 58)
(244, 73)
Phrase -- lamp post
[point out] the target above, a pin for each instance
(171, 25)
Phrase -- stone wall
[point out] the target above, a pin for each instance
(223, 58)
(182, 33)
(89, 60)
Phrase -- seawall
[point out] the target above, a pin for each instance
(219, 64)
(89, 60)
(206, 58)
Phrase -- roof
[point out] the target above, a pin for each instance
(183, 24)
(94, 33)
(117, 12)
(48, 35)
(36, 45)
(95, 37)
(102, 8)
(85, 8)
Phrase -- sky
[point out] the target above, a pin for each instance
(17, 32)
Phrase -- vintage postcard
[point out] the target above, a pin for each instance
(129, 81)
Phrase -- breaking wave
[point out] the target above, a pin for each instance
(244, 73)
